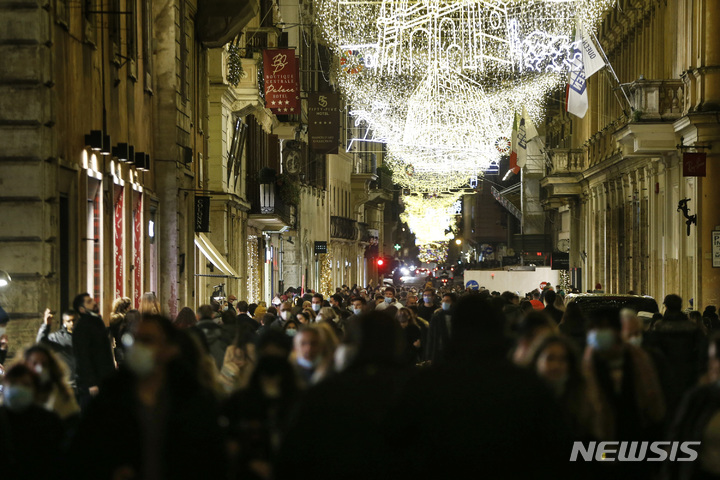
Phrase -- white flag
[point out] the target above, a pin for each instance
(522, 142)
(576, 99)
(592, 61)
(530, 130)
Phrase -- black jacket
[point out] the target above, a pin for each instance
(438, 337)
(61, 342)
(93, 352)
(216, 340)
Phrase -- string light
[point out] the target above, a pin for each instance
(253, 269)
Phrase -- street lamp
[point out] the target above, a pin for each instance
(458, 241)
(4, 278)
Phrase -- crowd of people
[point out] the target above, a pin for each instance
(366, 383)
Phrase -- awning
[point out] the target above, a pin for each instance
(208, 249)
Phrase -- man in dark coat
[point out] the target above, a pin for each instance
(550, 310)
(439, 333)
(91, 346)
(480, 415)
(212, 334)
(61, 341)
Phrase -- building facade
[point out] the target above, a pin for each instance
(614, 180)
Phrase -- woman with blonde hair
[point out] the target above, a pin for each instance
(149, 304)
(118, 324)
(54, 391)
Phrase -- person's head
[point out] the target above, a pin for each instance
(291, 327)
(19, 387)
(267, 319)
(429, 296)
(149, 304)
(121, 305)
(205, 312)
(411, 300)
(526, 306)
(326, 313)
(251, 309)
(303, 317)
(231, 299)
(696, 317)
(550, 296)
(557, 361)
(598, 286)
(478, 329)
(389, 294)
(307, 344)
(285, 311)
(535, 294)
(631, 326)
(68, 320)
(673, 303)
(405, 317)
(185, 318)
(358, 305)
(155, 343)
(448, 300)
(45, 364)
(316, 302)
(242, 307)
(84, 303)
(604, 329)
(259, 311)
(710, 311)
(336, 300)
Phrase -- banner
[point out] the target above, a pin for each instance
(202, 214)
(576, 98)
(592, 61)
(118, 244)
(280, 73)
(324, 122)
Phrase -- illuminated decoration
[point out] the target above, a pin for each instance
(433, 253)
(503, 145)
(429, 217)
(456, 208)
(326, 283)
(409, 169)
(253, 269)
(352, 62)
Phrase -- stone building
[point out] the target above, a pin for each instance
(614, 179)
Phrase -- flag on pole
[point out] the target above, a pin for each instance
(576, 99)
(592, 61)
(526, 132)
(513, 155)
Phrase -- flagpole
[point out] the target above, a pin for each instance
(612, 70)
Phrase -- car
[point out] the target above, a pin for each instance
(589, 302)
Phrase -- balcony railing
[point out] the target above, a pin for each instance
(345, 228)
(363, 232)
(657, 100)
(565, 161)
(383, 182)
(366, 164)
(269, 202)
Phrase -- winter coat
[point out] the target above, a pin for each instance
(213, 334)
(93, 352)
(61, 342)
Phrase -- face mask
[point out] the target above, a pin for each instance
(226, 308)
(43, 374)
(141, 360)
(600, 340)
(357, 311)
(284, 314)
(316, 307)
(388, 299)
(427, 299)
(637, 341)
(291, 332)
(18, 398)
(445, 306)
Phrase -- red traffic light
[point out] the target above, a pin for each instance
(380, 262)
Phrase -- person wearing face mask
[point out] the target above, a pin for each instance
(557, 361)
(389, 299)
(24, 426)
(53, 391)
(153, 419)
(92, 349)
(428, 307)
(60, 341)
(306, 353)
(284, 314)
(316, 302)
(630, 401)
(440, 331)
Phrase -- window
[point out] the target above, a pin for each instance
(147, 35)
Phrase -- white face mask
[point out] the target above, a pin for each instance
(445, 306)
(316, 307)
(427, 299)
(43, 374)
(285, 314)
(388, 299)
(18, 397)
(357, 311)
(141, 360)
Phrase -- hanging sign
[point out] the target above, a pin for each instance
(202, 214)
(324, 122)
(560, 261)
(280, 73)
(716, 248)
(694, 164)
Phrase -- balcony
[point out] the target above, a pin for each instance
(268, 211)
(343, 228)
(383, 182)
(561, 179)
(363, 232)
(565, 161)
(657, 100)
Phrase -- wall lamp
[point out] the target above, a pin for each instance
(99, 142)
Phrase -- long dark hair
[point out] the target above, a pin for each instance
(58, 371)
